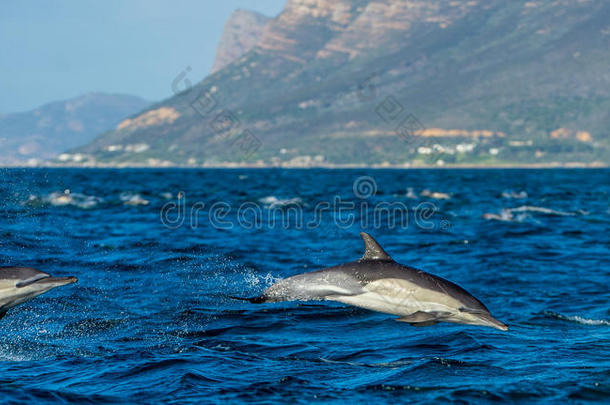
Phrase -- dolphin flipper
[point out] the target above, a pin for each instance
(419, 324)
(421, 318)
(253, 300)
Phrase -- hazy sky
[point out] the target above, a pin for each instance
(53, 50)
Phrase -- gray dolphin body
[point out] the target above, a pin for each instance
(21, 284)
(378, 283)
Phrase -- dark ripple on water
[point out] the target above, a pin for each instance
(150, 320)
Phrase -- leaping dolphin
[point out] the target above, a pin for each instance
(378, 283)
(21, 284)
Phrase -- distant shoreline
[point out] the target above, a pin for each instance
(554, 165)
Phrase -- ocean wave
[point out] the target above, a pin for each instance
(90, 326)
(389, 364)
(508, 214)
(274, 202)
(435, 195)
(504, 215)
(541, 210)
(577, 319)
(63, 199)
(411, 194)
(510, 194)
(133, 199)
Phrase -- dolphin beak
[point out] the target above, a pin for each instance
(489, 320)
(57, 281)
(499, 325)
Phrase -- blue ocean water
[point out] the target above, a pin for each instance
(157, 252)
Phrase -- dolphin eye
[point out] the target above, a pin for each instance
(32, 280)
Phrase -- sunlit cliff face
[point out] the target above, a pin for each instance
(163, 115)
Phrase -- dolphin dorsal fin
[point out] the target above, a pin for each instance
(372, 249)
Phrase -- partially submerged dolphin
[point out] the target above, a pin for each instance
(21, 284)
(378, 283)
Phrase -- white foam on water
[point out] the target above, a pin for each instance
(255, 280)
(504, 215)
(435, 195)
(411, 194)
(541, 210)
(65, 198)
(510, 194)
(579, 319)
(273, 202)
(586, 321)
(522, 213)
(133, 199)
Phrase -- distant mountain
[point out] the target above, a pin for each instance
(413, 82)
(241, 33)
(42, 133)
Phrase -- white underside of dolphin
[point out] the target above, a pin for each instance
(378, 283)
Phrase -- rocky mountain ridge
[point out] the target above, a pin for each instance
(33, 136)
(241, 33)
(438, 82)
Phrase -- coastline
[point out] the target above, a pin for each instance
(131, 165)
